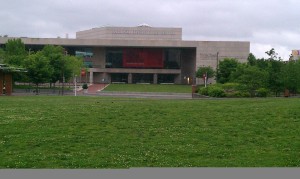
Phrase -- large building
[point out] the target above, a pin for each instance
(142, 54)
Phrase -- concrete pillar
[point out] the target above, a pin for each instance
(8, 84)
(91, 77)
(130, 78)
(155, 76)
(1, 82)
(177, 79)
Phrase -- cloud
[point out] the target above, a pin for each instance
(265, 23)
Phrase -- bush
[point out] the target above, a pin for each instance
(241, 94)
(262, 92)
(230, 86)
(215, 91)
(85, 86)
(203, 91)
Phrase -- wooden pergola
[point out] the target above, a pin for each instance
(6, 79)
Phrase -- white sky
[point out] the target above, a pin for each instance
(265, 23)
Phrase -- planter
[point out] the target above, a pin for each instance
(85, 91)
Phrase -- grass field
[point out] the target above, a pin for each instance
(149, 88)
(94, 132)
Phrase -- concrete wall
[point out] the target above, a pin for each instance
(209, 52)
(99, 57)
(131, 33)
(188, 63)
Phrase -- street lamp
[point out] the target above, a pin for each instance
(75, 81)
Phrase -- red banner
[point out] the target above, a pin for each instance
(142, 58)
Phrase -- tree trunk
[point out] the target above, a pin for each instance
(37, 89)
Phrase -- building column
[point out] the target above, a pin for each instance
(130, 78)
(155, 76)
(1, 82)
(8, 84)
(91, 77)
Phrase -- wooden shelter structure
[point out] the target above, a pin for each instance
(6, 78)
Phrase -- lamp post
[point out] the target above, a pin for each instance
(75, 81)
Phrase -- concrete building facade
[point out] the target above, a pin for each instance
(142, 54)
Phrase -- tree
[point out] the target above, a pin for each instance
(290, 76)
(2, 55)
(63, 66)
(272, 54)
(205, 70)
(226, 68)
(15, 52)
(55, 56)
(275, 82)
(38, 69)
(251, 77)
(251, 60)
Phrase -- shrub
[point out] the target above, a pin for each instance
(85, 86)
(241, 94)
(215, 91)
(203, 91)
(230, 86)
(262, 92)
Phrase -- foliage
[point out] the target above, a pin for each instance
(205, 70)
(290, 76)
(63, 66)
(39, 69)
(215, 91)
(241, 94)
(203, 91)
(2, 55)
(212, 91)
(251, 60)
(275, 82)
(252, 77)
(262, 92)
(225, 69)
(55, 54)
(85, 86)
(15, 52)
(230, 86)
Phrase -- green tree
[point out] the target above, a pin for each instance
(63, 66)
(74, 64)
(38, 69)
(272, 54)
(2, 55)
(15, 52)
(251, 60)
(55, 56)
(290, 76)
(251, 77)
(205, 70)
(226, 68)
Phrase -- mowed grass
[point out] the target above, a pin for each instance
(169, 88)
(94, 132)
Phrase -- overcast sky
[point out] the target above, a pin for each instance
(265, 23)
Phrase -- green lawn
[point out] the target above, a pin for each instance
(149, 88)
(98, 132)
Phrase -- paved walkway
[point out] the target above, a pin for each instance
(94, 88)
(147, 95)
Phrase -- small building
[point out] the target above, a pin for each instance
(295, 54)
(5, 80)
(142, 54)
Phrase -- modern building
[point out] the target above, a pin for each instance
(142, 54)
(296, 54)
